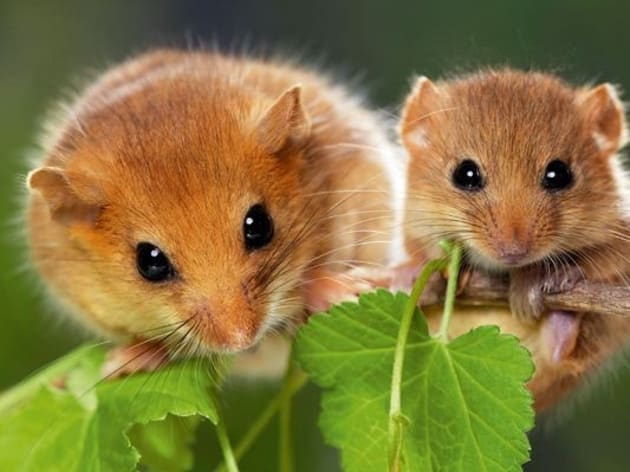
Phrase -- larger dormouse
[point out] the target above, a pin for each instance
(187, 199)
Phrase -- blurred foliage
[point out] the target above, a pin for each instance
(46, 47)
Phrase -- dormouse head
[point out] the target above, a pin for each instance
(519, 166)
(173, 210)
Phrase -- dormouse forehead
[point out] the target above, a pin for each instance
(523, 119)
(170, 176)
(162, 130)
(190, 110)
(499, 102)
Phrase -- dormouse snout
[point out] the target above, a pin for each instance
(512, 243)
(230, 328)
(513, 253)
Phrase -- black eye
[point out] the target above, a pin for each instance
(467, 176)
(257, 228)
(152, 264)
(557, 176)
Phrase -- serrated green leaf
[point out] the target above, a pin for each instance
(84, 425)
(465, 401)
(44, 432)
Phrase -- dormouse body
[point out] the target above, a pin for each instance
(523, 170)
(189, 198)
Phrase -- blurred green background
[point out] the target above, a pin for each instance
(46, 46)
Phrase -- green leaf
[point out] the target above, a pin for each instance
(9, 399)
(166, 445)
(464, 401)
(84, 426)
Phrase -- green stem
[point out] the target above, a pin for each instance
(451, 289)
(396, 419)
(224, 440)
(289, 388)
(285, 452)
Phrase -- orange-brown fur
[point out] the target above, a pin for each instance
(512, 124)
(170, 148)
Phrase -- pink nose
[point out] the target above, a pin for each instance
(513, 253)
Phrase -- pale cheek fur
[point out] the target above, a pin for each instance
(622, 183)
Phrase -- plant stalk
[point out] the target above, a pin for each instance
(229, 459)
(291, 385)
(454, 264)
(396, 419)
(285, 452)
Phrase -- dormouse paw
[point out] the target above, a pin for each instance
(325, 289)
(434, 290)
(465, 275)
(528, 286)
(526, 295)
(143, 356)
(404, 276)
(562, 280)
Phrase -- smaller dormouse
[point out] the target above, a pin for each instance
(523, 170)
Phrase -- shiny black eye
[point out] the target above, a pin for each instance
(467, 176)
(152, 264)
(558, 176)
(257, 228)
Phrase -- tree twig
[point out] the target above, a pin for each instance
(587, 297)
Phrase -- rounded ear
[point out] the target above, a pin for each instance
(284, 123)
(606, 116)
(420, 103)
(65, 204)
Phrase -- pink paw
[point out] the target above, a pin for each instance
(143, 356)
(327, 289)
(404, 276)
(528, 286)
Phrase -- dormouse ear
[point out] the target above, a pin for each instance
(284, 123)
(420, 103)
(605, 113)
(64, 202)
